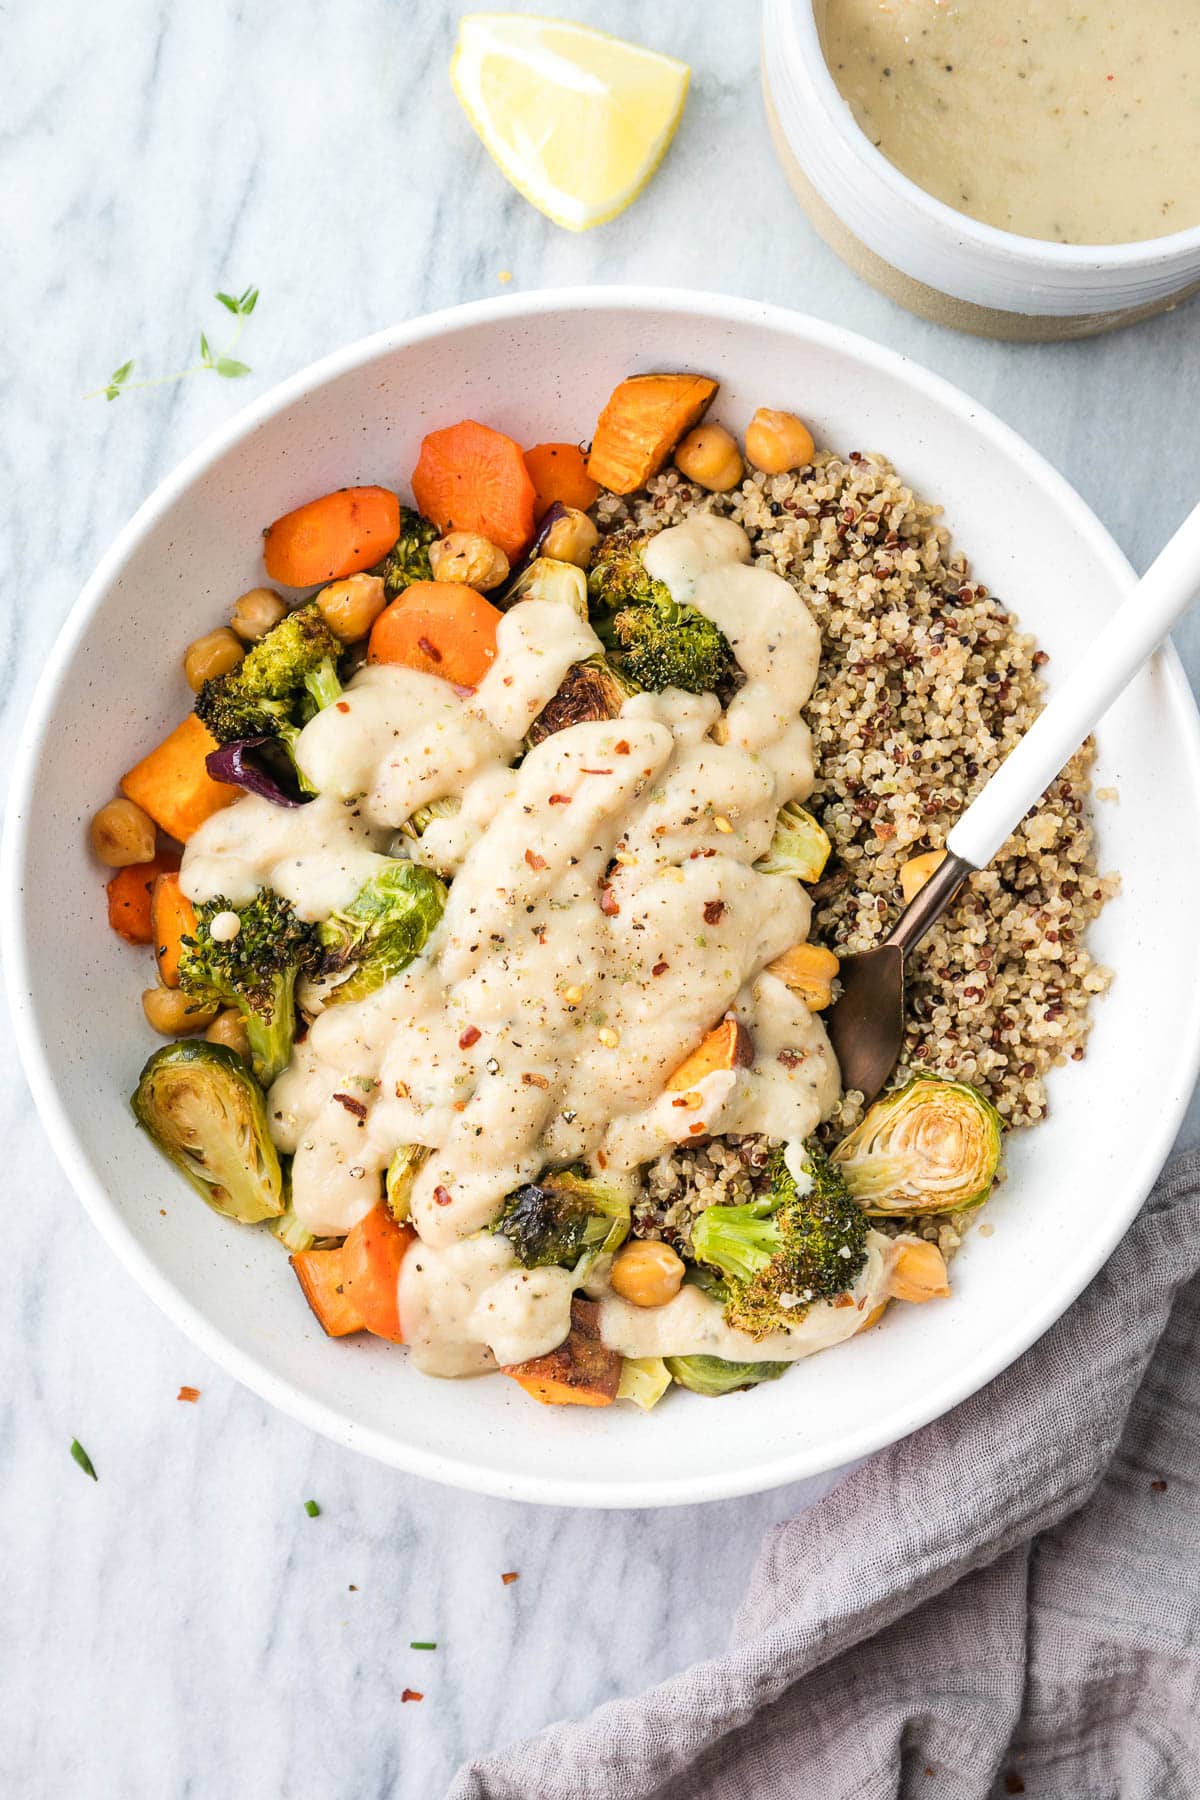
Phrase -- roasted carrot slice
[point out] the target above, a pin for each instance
(581, 1372)
(173, 785)
(322, 1282)
(471, 478)
(172, 918)
(643, 421)
(130, 903)
(371, 1258)
(443, 627)
(559, 473)
(339, 534)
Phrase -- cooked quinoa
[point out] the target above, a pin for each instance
(926, 684)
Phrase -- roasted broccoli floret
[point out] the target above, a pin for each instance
(654, 639)
(595, 689)
(408, 559)
(289, 675)
(561, 1218)
(669, 646)
(254, 968)
(798, 1242)
(204, 1110)
(381, 930)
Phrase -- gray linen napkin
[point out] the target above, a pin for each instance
(1006, 1602)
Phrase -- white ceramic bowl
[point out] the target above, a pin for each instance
(539, 366)
(935, 260)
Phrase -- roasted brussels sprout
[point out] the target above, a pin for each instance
(547, 579)
(589, 690)
(403, 1170)
(644, 1380)
(933, 1146)
(799, 846)
(204, 1110)
(714, 1376)
(380, 932)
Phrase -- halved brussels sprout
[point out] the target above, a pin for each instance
(402, 1173)
(589, 690)
(644, 1380)
(547, 579)
(933, 1146)
(206, 1113)
(799, 847)
(713, 1375)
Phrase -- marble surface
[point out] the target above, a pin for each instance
(183, 1627)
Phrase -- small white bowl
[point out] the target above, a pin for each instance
(540, 366)
(938, 262)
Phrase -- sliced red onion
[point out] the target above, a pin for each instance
(254, 764)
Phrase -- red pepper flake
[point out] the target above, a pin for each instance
(343, 706)
(696, 1130)
(193, 1394)
(622, 747)
(531, 1080)
(352, 1105)
(595, 771)
(660, 968)
(534, 860)
(442, 1195)
(411, 1694)
(470, 1036)
(844, 1300)
(791, 1059)
(430, 650)
(712, 911)
(510, 1577)
(560, 800)
(609, 904)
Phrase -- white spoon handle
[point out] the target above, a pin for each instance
(1131, 636)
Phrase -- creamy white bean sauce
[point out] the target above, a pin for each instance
(604, 913)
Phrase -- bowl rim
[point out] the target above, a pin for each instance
(935, 1400)
(1071, 258)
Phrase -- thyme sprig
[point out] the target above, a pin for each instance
(220, 362)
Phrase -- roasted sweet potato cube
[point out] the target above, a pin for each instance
(640, 426)
(581, 1372)
(728, 1046)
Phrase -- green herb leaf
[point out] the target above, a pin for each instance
(247, 302)
(422, 1646)
(81, 1456)
(227, 300)
(205, 352)
(227, 366)
(312, 1509)
(121, 374)
(112, 393)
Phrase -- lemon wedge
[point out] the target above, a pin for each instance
(576, 119)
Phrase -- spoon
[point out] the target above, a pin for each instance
(866, 1024)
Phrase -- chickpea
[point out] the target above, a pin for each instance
(229, 1028)
(777, 442)
(709, 456)
(351, 607)
(122, 834)
(255, 612)
(646, 1273)
(571, 538)
(213, 654)
(467, 557)
(171, 1013)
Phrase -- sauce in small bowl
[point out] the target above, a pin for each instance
(1078, 124)
(975, 162)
